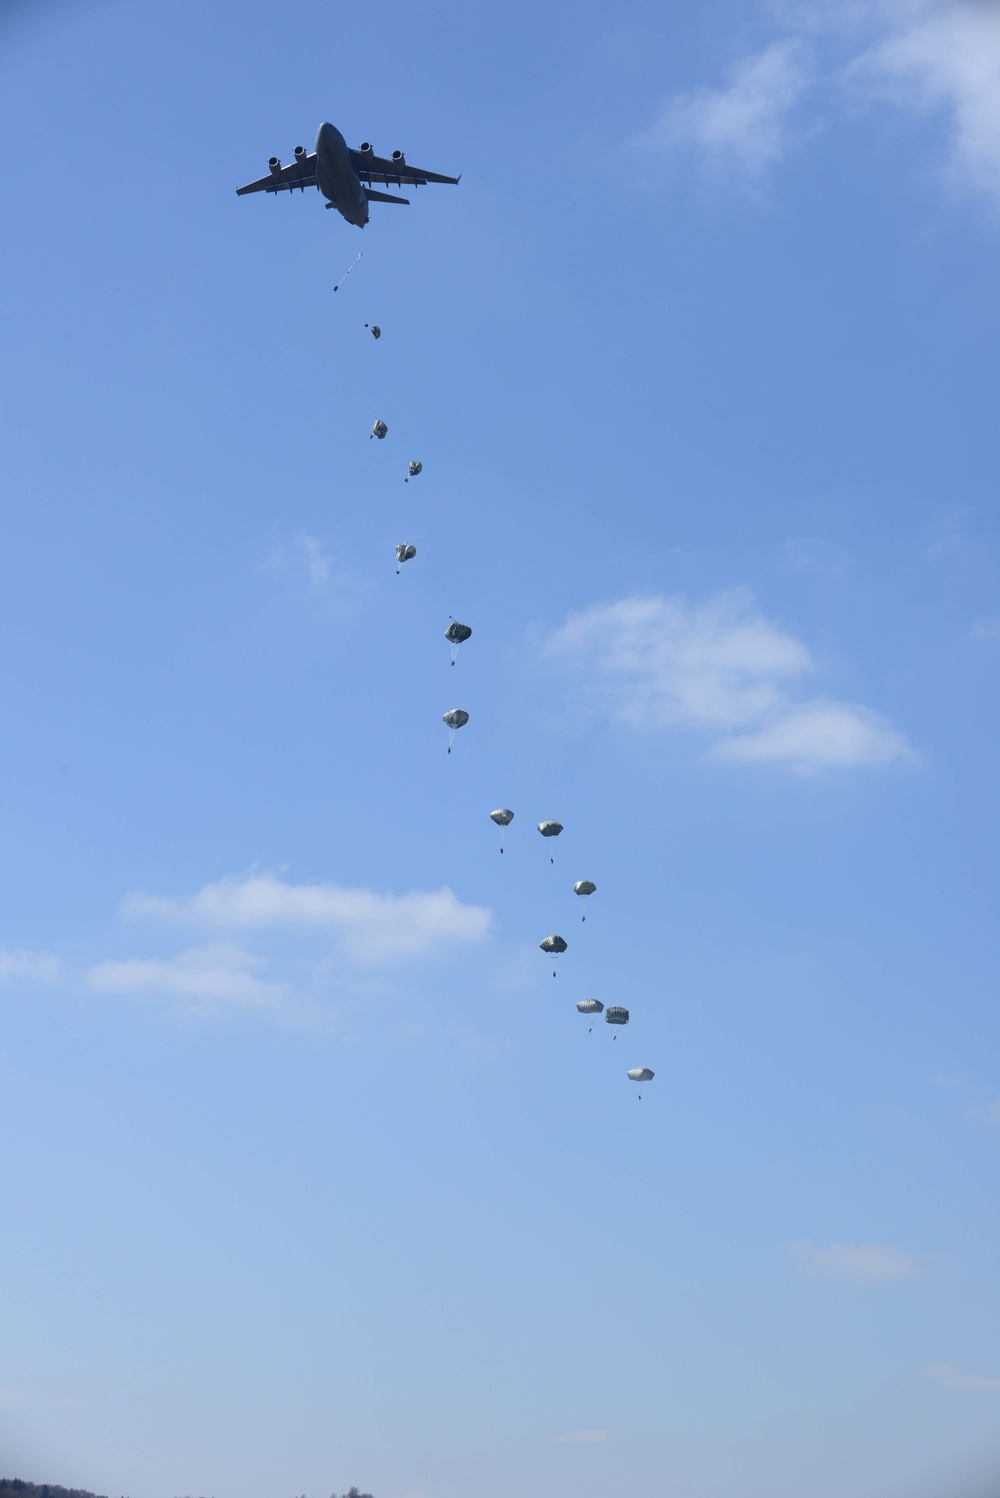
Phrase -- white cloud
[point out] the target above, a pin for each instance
(949, 1377)
(371, 928)
(314, 559)
(660, 664)
(581, 1438)
(744, 127)
(818, 734)
(986, 629)
(874, 1263)
(40, 966)
(944, 55)
(221, 972)
(924, 57)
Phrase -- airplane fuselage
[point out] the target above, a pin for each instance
(336, 178)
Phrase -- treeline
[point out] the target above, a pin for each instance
(11, 1485)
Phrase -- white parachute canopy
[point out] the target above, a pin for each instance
(378, 430)
(591, 1007)
(455, 719)
(553, 945)
(503, 816)
(641, 1074)
(550, 829)
(404, 553)
(584, 887)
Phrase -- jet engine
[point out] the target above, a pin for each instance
(365, 148)
(398, 159)
(274, 162)
(300, 153)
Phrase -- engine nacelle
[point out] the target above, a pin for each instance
(300, 153)
(398, 159)
(365, 148)
(274, 162)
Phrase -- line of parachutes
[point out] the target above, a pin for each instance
(554, 945)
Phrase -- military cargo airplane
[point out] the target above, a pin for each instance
(340, 175)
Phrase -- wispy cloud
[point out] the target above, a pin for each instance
(307, 555)
(581, 1437)
(662, 664)
(949, 1377)
(871, 1263)
(922, 57)
(371, 928)
(986, 629)
(743, 128)
(818, 734)
(943, 56)
(220, 972)
(41, 967)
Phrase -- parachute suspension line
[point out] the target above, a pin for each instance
(348, 272)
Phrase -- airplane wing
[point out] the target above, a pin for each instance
(285, 178)
(384, 197)
(380, 197)
(371, 168)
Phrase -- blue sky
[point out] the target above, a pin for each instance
(312, 1174)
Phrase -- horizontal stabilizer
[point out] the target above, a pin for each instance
(383, 197)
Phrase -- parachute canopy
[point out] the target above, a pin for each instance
(405, 552)
(374, 329)
(590, 1006)
(455, 718)
(413, 469)
(616, 1015)
(457, 633)
(378, 430)
(550, 829)
(503, 816)
(641, 1074)
(584, 887)
(553, 944)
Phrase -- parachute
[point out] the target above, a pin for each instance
(455, 718)
(616, 1015)
(591, 1007)
(553, 945)
(412, 470)
(503, 817)
(404, 553)
(641, 1074)
(378, 430)
(374, 329)
(584, 887)
(457, 634)
(550, 829)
